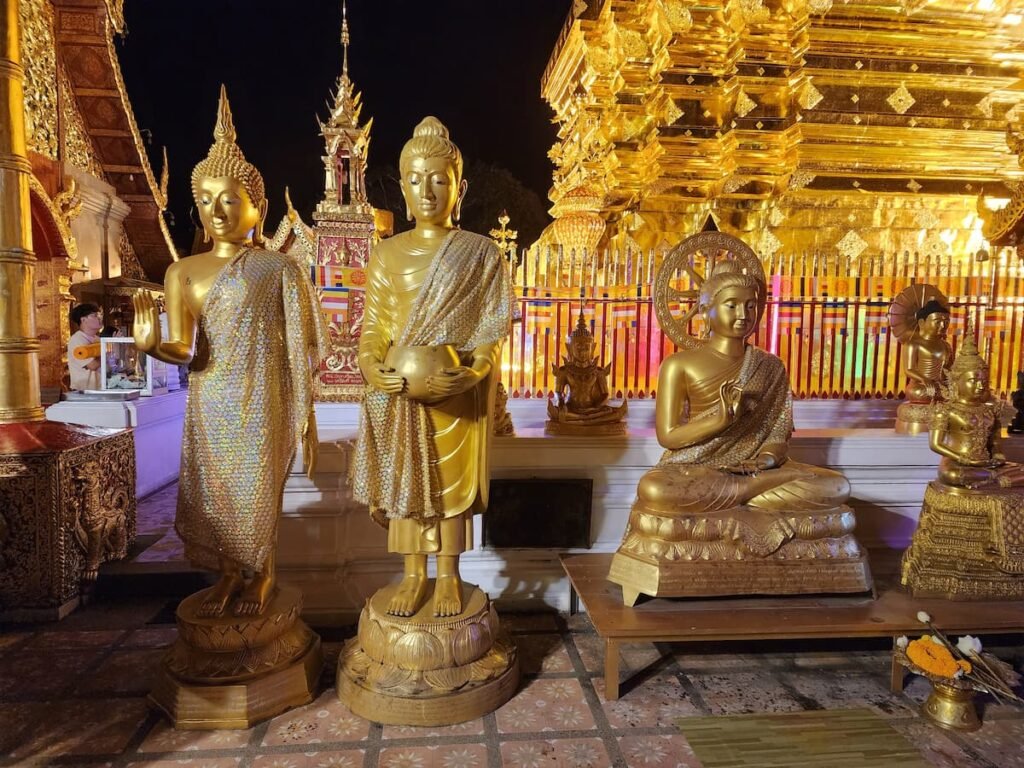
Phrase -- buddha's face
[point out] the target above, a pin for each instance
(935, 325)
(227, 212)
(581, 349)
(733, 312)
(432, 189)
(971, 386)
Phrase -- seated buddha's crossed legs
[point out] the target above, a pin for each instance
(693, 489)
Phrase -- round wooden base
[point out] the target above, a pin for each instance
(426, 670)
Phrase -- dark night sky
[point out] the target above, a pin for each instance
(476, 64)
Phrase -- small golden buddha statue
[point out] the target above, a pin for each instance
(438, 307)
(969, 543)
(581, 405)
(503, 426)
(919, 318)
(248, 322)
(726, 511)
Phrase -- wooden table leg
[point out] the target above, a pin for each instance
(896, 674)
(574, 600)
(611, 669)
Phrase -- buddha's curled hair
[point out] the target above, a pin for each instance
(226, 159)
(727, 274)
(430, 139)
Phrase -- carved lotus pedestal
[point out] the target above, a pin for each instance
(913, 418)
(227, 672)
(969, 545)
(424, 670)
(740, 551)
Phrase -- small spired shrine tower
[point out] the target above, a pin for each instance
(337, 247)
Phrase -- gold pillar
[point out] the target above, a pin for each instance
(19, 347)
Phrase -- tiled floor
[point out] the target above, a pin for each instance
(73, 694)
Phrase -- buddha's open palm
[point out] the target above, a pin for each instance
(146, 325)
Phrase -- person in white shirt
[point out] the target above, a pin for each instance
(85, 374)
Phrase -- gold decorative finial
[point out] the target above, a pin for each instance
(967, 356)
(344, 40)
(581, 328)
(165, 177)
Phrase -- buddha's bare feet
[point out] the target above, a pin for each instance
(448, 596)
(221, 592)
(409, 596)
(255, 596)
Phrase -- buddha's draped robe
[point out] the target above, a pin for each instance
(260, 340)
(418, 466)
(695, 479)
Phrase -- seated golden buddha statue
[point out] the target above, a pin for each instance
(969, 543)
(919, 318)
(726, 511)
(581, 405)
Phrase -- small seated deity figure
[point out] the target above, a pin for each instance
(927, 354)
(969, 543)
(580, 405)
(726, 511)
(503, 426)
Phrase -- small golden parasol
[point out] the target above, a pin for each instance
(903, 310)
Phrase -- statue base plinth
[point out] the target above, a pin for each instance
(584, 430)
(425, 670)
(967, 545)
(913, 418)
(697, 578)
(230, 672)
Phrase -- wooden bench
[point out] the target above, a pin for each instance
(678, 620)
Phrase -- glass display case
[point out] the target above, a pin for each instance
(123, 367)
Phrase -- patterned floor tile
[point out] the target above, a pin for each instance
(350, 758)
(196, 762)
(1000, 741)
(325, 720)
(16, 720)
(657, 752)
(542, 653)
(933, 744)
(129, 672)
(563, 753)
(38, 674)
(743, 692)
(151, 637)
(658, 702)
(168, 549)
(633, 657)
(842, 688)
(471, 728)
(164, 738)
(703, 661)
(529, 622)
(546, 705)
(69, 728)
(11, 641)
(435, 756)
(60, 640)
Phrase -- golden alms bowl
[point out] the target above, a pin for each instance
(416, 364)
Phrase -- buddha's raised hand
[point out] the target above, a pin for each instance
(146, 325)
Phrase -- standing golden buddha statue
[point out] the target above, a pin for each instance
(581, 391)
(248, 322)
(969, 542)
(438, 307)
(725, 511)
(919, 319)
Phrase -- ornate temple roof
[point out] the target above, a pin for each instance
(84, 31)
